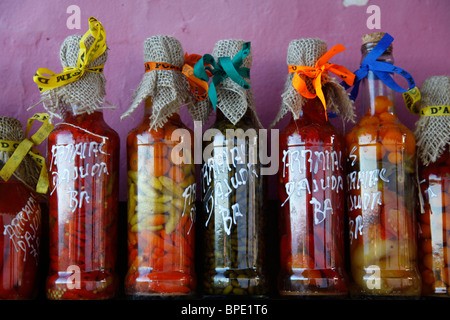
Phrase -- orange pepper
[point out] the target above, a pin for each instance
(176, 174)
(393, 139)
(159, 150)
(382, 104)
(395, 157)
(158, 166)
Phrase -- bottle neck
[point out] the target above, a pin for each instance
(70, 116)
(148, 106)
(314, 111)
(372, 87)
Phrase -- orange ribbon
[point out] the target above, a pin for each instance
(322, 67)
(198, 87)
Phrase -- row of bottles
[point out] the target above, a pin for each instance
(348, 213)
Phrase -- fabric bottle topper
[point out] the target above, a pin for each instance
(433, 128)
(82, 83)
(228, 68)
(308, 77)
(168, 79)
(17, 154)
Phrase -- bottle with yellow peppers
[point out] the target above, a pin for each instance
(381, 184)
(161, 179)
(433, 143)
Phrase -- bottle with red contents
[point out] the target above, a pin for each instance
(20, 221)
(311, 184)
(83, 165)
(381, 186)
(161, 179)
(433, 141)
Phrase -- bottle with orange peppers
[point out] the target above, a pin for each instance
(83, 164)
(433, 151)
(161, 179)
(311, 175)
(381, 184)
(20, 211)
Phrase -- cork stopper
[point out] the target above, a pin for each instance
(374, 38)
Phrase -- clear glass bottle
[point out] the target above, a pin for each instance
(161, 209)
(20, 224)
(433, 153)
(311, 189)
(233, 216)
(434, 226)
(381, 201)
(83, 164)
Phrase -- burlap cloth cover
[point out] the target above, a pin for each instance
(169, 89)
(28, 171)
(433, 132)
(232, 99)
(85, 95)
(306, 52)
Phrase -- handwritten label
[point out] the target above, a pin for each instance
(63, 170)
(231, 176)
(302, 165)
(189, 208)
(24, 230)
(368, 196)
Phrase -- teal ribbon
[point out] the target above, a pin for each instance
(224, 68)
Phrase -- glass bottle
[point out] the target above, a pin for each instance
(83, 157)
(433, 153)
(233, 217)
(311, 191)
(381, 201)
(434, 226)
(20, 229)
(161, 209)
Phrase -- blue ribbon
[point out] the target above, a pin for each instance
(383, 70)
(225, 67)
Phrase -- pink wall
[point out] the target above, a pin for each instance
(32, 32)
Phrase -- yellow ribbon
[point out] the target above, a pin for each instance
(71, 74)
(432, 111)
(321, 67)
(22, 148)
